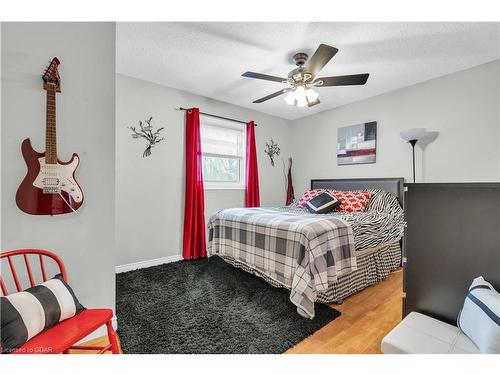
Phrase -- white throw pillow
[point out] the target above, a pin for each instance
(479, 319)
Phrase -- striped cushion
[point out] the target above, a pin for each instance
(26, 314)
(480, 316)
(383, 201)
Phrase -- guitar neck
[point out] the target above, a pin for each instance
(50, 126)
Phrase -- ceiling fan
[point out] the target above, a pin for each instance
(302, 79)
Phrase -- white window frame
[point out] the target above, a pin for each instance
(222, 185)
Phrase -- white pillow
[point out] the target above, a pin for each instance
(479, 319)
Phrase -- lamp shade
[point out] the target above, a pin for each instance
(412, 134)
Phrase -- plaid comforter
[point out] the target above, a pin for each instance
(303, 252)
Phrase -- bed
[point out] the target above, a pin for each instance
(319, 258)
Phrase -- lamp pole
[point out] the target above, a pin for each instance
(412, 136)
(413, 142)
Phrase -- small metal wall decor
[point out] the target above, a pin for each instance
(272, 150)
(146, 131)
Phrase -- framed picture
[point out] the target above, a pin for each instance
(357, 144)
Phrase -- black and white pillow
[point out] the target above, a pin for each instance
(26, 314)
(383, 201)
(323, 203)
(479, 319)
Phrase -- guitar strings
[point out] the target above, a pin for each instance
(65, 201)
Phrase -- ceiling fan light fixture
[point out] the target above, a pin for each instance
(301, 97)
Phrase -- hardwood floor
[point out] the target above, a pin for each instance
(100, 341)
(367, 317)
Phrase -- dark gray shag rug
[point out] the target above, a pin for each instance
(208, 306)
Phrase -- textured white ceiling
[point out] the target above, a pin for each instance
(208, 58)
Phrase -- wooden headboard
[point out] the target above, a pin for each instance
(393, 185)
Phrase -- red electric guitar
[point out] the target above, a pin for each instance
(49, 187)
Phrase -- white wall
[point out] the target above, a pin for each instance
(86, 125)
(463, 107)
(150, 191)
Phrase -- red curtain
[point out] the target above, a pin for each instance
(194, 245)
(252, 198)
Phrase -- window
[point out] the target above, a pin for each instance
(223, 146)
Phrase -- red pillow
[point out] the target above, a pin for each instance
(308, 195)
(352, 201)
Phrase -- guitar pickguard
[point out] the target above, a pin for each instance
(54, 178)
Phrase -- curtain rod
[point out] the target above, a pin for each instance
(216, 116)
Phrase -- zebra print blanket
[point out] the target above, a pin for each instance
(381, 222)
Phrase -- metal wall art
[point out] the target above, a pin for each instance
(272, 150)
(147, 132)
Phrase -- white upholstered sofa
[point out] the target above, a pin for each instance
(420, 334)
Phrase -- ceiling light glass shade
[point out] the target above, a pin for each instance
(300, 96)
(290, 98)
(311, 95)
(300, 92)
(301, 101)
(413, 134)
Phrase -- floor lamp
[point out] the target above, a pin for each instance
(412, 136)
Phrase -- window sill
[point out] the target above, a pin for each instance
(223, 187)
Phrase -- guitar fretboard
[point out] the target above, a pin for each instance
(50, 127)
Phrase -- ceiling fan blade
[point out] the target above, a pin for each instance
(317, 101)
(263, 76)
(277, 93)
(355, 79)
(320, 58)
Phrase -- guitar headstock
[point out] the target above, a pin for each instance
(51, 75)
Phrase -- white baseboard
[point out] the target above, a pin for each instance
(101, 331)
(147, 263)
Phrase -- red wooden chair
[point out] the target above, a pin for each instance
(62, 337)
